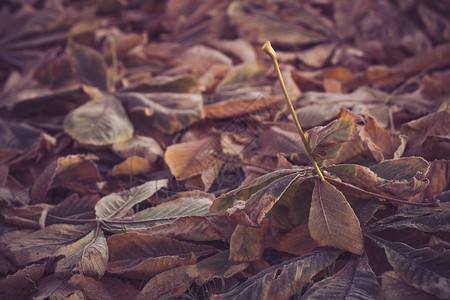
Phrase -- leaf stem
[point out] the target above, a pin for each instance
(267, 47)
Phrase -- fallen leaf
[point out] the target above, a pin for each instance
(356, 279)
(193, 158)
(142, 146)
(433, 276)
(101, 121)
(283, 280)
(117, 205)
(332, 221)
(382, 144)
(395, 287)
(133, 165)
(216, 266)
(166, 283)
(89, 65)
(141, 256)
(89, 255)
(326, 141)
(247, 243)
(166, 112)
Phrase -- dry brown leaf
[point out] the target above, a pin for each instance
(297, 241)
(247, 243)
(186, 160)
(166, 283)
(382, 144)
(140, 256)
(133, 165)
(395, 287)
(332, 221)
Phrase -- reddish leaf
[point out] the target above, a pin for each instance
(382, 144)
(297, 241)
(332, 221)
(326, 141)
(193, 158)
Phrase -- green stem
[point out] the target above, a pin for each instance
(267, 47)
(112, 44)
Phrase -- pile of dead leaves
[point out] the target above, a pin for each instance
(146, 151)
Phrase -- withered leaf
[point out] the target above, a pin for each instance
(89, 65)
(395, 287)
(20, 285)
(261, 202)
(165, 84)
(166, 283)
(355, 280)
(261, 25)
(139, 256)
(382, 144)
(190, 228)
(23, 247)
(283, 280)
(89, 255)
(106, 288)
(133, 165)
(167, 112)
(75, 172)
(54, 288)
(117, 205)
(142, 146)
(216, 266)
(364, 177)
(101, 121)
(193, 158)
(225, 201)
(185, 204)
(297, 241)
(247, 243)
(230, 103)
(20, 139)
(332, 221)
(402, 168)
(326, 141)
(423, 268)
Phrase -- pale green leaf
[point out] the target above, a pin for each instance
(117, 205)
(101, 121)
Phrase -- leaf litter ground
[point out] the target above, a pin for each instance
(146, 151)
